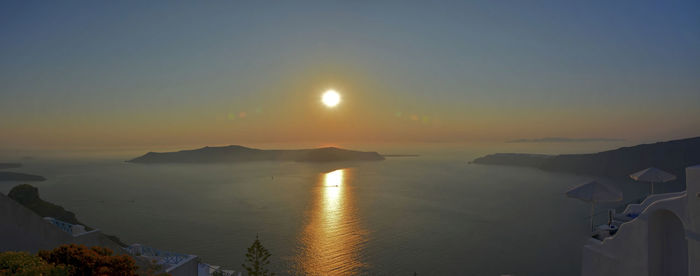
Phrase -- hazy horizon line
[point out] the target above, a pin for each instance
(565, 140)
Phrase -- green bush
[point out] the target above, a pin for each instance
(82, 260)
(23, 263)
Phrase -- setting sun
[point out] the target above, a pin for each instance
(350, 139)
(330, 98)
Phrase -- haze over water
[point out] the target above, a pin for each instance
(433, 214)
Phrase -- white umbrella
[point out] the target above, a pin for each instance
(652, 175)
(595, 192)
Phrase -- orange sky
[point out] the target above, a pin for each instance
(223, 74)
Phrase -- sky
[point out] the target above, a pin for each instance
(111, 74)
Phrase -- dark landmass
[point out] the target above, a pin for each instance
(14, 176)
(28, 196)
(229, 154)
(671, 156)
(9, 165)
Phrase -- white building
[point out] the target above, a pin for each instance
(177, 264)
(662, 237)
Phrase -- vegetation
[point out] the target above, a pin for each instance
(257, 258)
(81, 260)
(152, 269)
(72, 260)
(23, 263)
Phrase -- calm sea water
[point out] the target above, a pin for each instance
(431, 215)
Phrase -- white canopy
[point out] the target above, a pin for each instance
(653, 175)
(595, 191)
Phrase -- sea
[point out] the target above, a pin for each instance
(431, 214)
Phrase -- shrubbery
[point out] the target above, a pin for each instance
(81, 260)
(23, 263)
(69, 259)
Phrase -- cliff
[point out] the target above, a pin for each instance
(671, 156)
(28, 196)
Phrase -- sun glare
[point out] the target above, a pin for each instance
(330, 98)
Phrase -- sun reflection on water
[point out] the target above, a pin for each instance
(332, 183)
(332, 239)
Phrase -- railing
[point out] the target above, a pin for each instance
(66, 227)
(75, 230)
(210, 270)
(638, 203)
(638, 208)
(166, 257)
(621, 208)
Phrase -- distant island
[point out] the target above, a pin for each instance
(15, 176)
(400, 155)
(672, 156)
(9, 165)
(231, 154)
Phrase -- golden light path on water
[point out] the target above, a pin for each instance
(332, 239)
